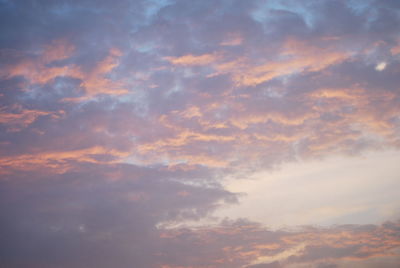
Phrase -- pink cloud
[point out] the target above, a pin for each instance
(193, 60)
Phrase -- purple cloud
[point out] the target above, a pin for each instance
(121, 123)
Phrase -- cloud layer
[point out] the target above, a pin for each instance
(120, 120)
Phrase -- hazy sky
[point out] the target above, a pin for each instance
(199, 133)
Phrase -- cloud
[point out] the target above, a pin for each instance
(192, 60)
(273, 97)
(119, 119)
(21, 118)
(41, 71)
(244, 243)
(58, 161)
(266, 265)
(97, 208)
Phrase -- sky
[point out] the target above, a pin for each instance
(200, 134)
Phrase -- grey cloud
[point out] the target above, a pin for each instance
(96, 215)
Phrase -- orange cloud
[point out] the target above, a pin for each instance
(37, 71)
(58, 161)
(244, 121)
(94, 82)
(193, 60)
(296, 56)
(181, 137)
(351, 94)
(21, 119)
(251, 244)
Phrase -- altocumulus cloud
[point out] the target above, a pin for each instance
(119, 121)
